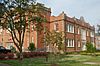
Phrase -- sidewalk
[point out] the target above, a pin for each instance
(4, 64)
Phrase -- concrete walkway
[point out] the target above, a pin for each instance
(92, 63)
(4, 64)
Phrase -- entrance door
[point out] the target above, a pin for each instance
(83, 45)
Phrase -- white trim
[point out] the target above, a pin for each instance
(70, 43)
(70, 28)
(78, 30)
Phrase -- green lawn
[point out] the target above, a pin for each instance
(64, 60)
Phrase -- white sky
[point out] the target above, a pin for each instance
(89, 9)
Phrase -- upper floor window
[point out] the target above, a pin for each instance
(70, 28)
(87, 33)
(83, 34)
(78, 30)
(56, 26)
(92, 34)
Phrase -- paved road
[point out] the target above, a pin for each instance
(4, 64)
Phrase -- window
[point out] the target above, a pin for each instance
(87, 33)
(56, 27)
(32, 39)
(79, 44)
(70, 28)
(70, 43)
(83, 34)
(92, 34)
(78, 30)
(1, 30)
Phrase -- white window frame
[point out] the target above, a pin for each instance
(78, 30)
(70, 28)
(1, 30)
(55, 26)
(92, 34)
(87, 33)
(70, 42)
(79, 44)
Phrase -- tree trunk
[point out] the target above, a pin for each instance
(21, 56)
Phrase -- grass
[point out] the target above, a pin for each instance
(61, 60)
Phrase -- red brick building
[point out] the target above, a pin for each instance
(76, 31)
(97, 39)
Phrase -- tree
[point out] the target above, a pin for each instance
(57, 40)
(90, 47)
(54, 40)
(15, 15)
(31, 47)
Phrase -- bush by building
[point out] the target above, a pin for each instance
(90, 47)
(31, 47)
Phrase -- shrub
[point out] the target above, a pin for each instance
(34, 54)
(31, 47)
(90, 47)
(13, 49)
(26, 54)
(7, 56)
(2, 56)
(10, 55)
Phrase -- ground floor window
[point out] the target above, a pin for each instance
(70, 42)
(79, 44)
(83, 45)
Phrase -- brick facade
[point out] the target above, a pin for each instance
(80, 34)
(76, 31)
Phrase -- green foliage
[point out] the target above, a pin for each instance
(57, 38)
(54, 39)
(14, 18)
(13, 49)
(90, 47)
(31, 47)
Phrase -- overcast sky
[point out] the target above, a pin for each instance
(89, 9)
